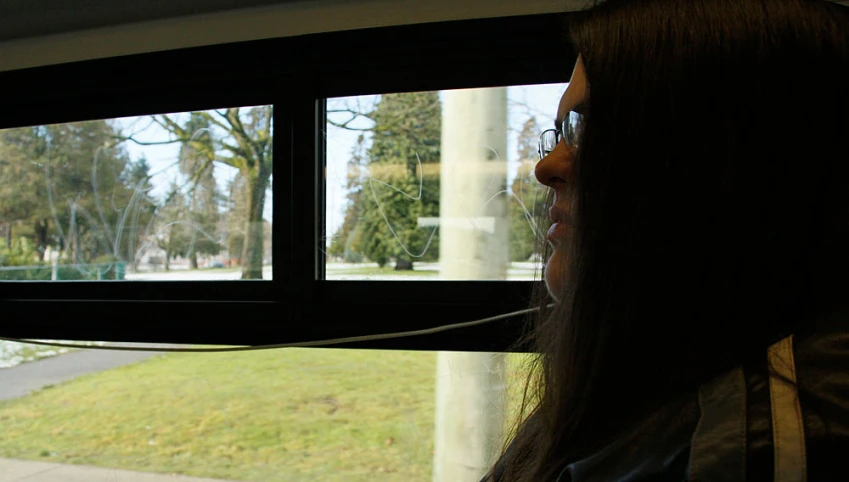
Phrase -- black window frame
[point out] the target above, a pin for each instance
(295, 74)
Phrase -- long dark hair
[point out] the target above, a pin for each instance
(711, 210)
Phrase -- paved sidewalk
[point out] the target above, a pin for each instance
(20, 380)
(29, 471)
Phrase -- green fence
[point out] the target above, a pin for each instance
(64, 272)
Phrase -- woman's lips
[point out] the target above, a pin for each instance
(557, 231)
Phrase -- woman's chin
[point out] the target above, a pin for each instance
(555, 274)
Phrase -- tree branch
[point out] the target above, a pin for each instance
(144, 143)
(243, 139)
(213, 120)
(169, 125)
(344, 125)
(232, 162)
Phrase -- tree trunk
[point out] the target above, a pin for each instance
(40, 229)
(76, 254)
(253, 250)
(8, 235)
(403, 264)
(193, 260)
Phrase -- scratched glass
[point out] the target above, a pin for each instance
(178, 196)
(437, 185)
(264, 416)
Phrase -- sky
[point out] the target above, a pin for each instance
(523, 101)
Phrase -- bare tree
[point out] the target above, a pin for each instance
(243, 140)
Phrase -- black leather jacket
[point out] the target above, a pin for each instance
(744, 425)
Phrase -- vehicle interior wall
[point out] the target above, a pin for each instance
(49, 32)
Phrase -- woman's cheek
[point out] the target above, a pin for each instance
(555, 274)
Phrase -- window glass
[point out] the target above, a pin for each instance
(182, 196)
(436, 185)
(276, 415)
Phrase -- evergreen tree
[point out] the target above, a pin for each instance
(141, 209)
(64, 183)
(173, 233)
(21, 184)
(402, 184)
(196, 162)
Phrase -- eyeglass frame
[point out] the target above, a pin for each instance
(572, 134)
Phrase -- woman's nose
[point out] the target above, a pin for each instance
(555, 168)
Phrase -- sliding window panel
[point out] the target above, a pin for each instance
(432, 214)
(437, 185)
(172, 197)
(148, 228)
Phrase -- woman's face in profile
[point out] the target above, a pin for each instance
(555, 171)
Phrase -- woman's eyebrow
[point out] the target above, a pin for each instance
(578, 109)
(558, 120)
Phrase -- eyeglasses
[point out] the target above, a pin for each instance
(569, 132)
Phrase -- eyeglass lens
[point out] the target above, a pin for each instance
(570, 131)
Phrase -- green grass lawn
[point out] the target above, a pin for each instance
(296, 414)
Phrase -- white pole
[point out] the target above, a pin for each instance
(470, 392)
(54, 260)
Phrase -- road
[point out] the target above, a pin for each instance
(12, 470)
(195, 275)
(335, 271)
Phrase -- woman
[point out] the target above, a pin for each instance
(700, 172)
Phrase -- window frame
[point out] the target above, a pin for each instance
(296, 305)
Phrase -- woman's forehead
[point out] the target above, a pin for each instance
(576, 92)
